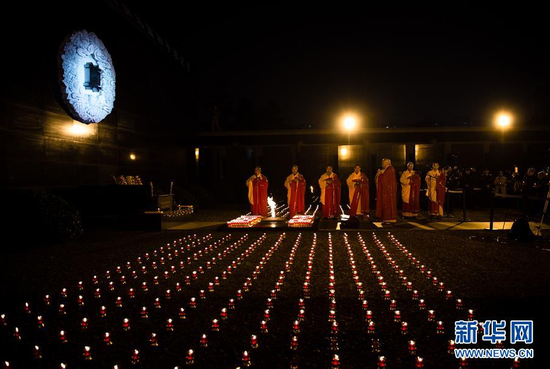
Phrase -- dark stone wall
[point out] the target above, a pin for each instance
(153, 114)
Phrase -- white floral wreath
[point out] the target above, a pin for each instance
(87, 106)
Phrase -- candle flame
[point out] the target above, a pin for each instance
(272, 206)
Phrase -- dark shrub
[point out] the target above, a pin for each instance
(43, 216)
(184, 197)
(203, 196)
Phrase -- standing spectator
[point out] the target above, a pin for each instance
(516, 183)
(529, 181)
(486, 182)
(542, 184)
(468, 183)
(501, 183)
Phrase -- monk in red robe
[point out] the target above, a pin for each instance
(410, 191)
(359, 198)
(436, 181)
(257, 192)
(386, 193)
(330, 193)
(296, 187)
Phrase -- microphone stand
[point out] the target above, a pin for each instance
(544, 211)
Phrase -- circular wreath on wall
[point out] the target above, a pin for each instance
(87, 77)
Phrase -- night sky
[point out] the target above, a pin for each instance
(299, 67)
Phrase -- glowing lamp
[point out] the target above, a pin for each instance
(371, 328)
(246, 359)
(135, 357)
(335, 361)
(503, 120)
(84, 323)
(107, 338)
(40, 321)
(381, 362)
(87, 354)
(294, 343)
(190, 358)
(204, 341)
(215, 325)
(451, 347)
(412, 347)
(296, 326)
(422, 304)
(440, 327)
(144, 313)
(404, 327)
(170, 324)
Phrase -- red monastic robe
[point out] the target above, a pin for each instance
(359, 195)
(436, 191)
(410, 192)
(257, 195)
(296, 194)
(386, 195)
(330, 195)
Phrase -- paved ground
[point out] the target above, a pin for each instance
(498, 278)
(475, 220)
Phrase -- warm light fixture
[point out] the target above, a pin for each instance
(344, 152)
(79, 129)
(197, 154)
(132, 156)
(350, 122)
(503, 120)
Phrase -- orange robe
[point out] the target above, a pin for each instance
(257, 194)
(386, 195)
(359, 197)
(330, 194)
(410, 191)
(296, 186)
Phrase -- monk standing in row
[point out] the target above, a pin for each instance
(410, 192)
(358, 184)
(295, 184)
(257, 192)
(386, 193)
(436, 181)
(330, 193)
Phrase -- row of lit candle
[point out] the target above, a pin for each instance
(84, 321)
(428, 273)
(215, 325)
(244, 221)
(334, 328)
(246, 359)
(131, 294)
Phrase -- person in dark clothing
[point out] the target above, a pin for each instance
(541, 184)
(486, 182)
(468, 183)
(529, 181)
(528, 189)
